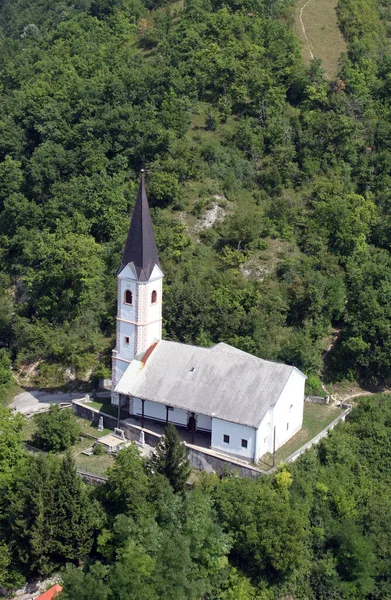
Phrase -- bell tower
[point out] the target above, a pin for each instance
(139, 303)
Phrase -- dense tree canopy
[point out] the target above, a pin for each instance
(214, 99)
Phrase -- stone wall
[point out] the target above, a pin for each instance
(322, 434)
(201, 458)
(92, 414)
(210, 462)
(317, 399)
(91, 478)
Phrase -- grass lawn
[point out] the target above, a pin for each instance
(104, 405)
(28, 430)
(94, 464)
(316, 417)
(325, 38)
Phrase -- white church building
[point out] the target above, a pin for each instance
(248, 406)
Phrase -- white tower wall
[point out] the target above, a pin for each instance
(139, 324)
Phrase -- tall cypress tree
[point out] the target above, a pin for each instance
(169, 459)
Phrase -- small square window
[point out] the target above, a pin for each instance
(244, 443)
(226, 439)
(127, 340)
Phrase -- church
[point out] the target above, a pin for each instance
(248, 406)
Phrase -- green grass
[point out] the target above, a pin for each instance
(325, 38)
(94, 464)
(316, 417)
(29, 429)
(104, 405)
(85, 426)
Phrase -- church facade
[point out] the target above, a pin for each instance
(248, 406)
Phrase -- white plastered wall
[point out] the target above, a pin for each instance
(179, 416)
(139, 324)
(236, 434)
(288, 410)
(265, 434)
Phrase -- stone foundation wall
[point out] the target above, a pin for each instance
(199, 458)
(92, 414)
(317, 399)
(209, 462)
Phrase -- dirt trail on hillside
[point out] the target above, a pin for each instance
(316, 24)
(304, 30)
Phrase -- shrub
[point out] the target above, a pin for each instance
(57, 430)
(99, 449)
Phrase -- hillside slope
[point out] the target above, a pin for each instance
(214, 99)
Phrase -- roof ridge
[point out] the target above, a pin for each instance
(240, 355)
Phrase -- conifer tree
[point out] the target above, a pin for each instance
(169, 459)
(31, 515)
(75, 515)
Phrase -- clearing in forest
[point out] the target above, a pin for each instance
(316, 24)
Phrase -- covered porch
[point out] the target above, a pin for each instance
(197, 438)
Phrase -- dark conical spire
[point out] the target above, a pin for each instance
(140, 247)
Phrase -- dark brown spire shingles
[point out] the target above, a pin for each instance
(140, 247)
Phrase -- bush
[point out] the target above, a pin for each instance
(163, 189)
(99, 449)
(57, 430)
(313, 385)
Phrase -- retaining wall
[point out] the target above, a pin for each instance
(317, 399)
(92, 414)
(201, 458)
(91, 478)
(320, 435)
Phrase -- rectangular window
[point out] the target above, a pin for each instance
(226, 439)
(127, 340)
(244, 443)
(287, 426)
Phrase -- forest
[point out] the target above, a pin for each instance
(317, 529)
(213, 98)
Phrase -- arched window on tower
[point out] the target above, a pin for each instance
(154, 297)
(128, 297)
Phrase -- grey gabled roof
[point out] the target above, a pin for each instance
(218, 382)
(140, 247)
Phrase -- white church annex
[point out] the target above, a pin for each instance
(246, 404)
